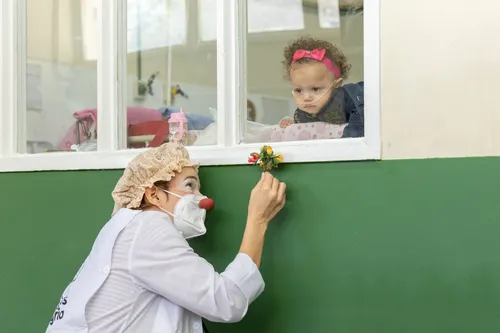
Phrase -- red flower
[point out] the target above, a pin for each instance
(253, 158)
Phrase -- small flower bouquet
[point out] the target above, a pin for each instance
(266, 158)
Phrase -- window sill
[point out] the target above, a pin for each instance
(298, 151)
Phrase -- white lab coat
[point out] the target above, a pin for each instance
(170, 275)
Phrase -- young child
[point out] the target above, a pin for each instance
(316, 70)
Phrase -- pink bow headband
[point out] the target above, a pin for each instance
(319, 55)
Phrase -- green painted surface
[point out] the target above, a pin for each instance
(390, 247)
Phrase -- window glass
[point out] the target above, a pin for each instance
(61, 93)
(171, 73)
(305, 70)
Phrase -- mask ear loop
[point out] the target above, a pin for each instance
(167, 192)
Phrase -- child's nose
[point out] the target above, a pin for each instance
(308, 96)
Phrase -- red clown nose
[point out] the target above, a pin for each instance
(206, 204)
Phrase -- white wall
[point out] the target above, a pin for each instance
(440, 78)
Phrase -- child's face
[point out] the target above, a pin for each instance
(312, 84)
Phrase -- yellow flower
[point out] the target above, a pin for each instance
(269, 150)
(263, 148)
(279, 157)
(261, 163)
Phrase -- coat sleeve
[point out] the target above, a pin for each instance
(163, 262)
(355, 109)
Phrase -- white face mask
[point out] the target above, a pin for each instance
(189, 218)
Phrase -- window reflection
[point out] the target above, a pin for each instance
(172, 65)
(306, 81)
(61, 94)
(263, 16)
(267, 16)
(153, 24)
(170, 71)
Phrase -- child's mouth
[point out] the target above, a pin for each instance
(308, 106)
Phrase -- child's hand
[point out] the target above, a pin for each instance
(285, 122)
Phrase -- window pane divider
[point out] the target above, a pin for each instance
(20, 63)
(107, 76)
(228, 64)
(122, 74)
(372, 63)
(242, 30)
(8, 80)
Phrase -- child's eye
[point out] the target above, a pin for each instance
(316, 89)
(297, 90)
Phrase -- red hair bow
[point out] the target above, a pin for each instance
(316, 54)
(319, 55)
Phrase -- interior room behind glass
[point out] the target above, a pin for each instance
(171, 65)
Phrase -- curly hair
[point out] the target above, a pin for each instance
(309, 43)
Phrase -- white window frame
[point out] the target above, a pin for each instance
(231, 93)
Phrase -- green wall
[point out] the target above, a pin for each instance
(389, 247)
